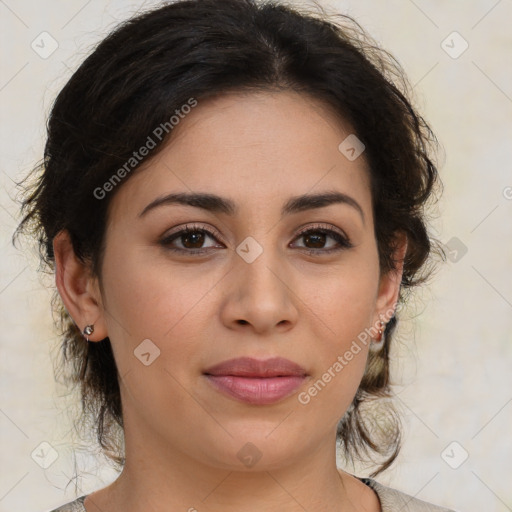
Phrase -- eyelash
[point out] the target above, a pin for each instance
(344, 242)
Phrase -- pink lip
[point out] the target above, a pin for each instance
(255, 381)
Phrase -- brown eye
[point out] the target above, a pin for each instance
(192, 240)
(315, 240)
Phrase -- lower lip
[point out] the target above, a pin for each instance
(258, 391)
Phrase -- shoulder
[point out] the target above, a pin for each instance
(392, 500)
(73, 506)
(389, 499)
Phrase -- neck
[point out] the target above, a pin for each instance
(158, 480)
(159, 476)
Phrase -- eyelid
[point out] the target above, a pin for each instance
(326, 226)
(214, 232)
(210, 230)
(342, 239)
(331, 230)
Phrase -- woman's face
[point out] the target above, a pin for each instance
(174, 306)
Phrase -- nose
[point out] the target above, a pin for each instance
(260, 296)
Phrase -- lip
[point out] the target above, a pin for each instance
(255, 381)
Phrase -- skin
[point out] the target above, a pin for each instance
(182, 436)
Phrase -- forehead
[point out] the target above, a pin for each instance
(258, 148)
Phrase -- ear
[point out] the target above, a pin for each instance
(389, 283)
(78, 289)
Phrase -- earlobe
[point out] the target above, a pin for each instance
(77, 288)
(389, 286)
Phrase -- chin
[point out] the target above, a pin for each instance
(255, 448)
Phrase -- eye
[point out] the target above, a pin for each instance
(191, 238)
(318, 237)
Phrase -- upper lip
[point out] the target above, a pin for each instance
(250, 367)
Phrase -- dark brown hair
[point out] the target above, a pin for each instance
(150, 66)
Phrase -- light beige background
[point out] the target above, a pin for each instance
(455, 367)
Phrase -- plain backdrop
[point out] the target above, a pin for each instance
(454, 368)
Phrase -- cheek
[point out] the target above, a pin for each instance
(344, 300)
(153, 301)
(340, 352)
(341, 309)
(329, 394)
(165, 305)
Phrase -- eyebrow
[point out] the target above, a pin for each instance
(217, 204)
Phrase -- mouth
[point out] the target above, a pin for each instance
(257, 382)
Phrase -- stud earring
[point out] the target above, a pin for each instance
(89, 329)
(378, 342)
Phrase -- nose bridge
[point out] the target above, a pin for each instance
(262, 296)
(261, 266)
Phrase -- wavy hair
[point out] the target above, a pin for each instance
(149, 66)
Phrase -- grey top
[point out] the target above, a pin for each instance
(391, 500)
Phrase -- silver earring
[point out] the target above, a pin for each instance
(89, 329)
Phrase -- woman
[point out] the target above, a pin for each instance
(232, 199)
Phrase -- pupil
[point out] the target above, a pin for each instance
(320, 239)
(199, 241)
